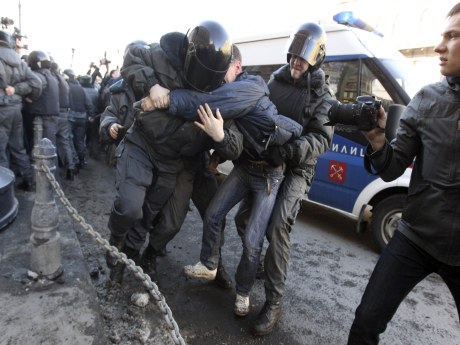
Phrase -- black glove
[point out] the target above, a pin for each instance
(277, 155)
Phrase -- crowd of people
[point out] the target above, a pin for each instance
(68, 105)
(180, 107)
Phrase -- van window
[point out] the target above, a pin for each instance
(347, 79)
(353, 78)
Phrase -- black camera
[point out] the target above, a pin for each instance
(362, 114)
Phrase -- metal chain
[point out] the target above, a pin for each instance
(138, 272)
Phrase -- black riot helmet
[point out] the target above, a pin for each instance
(309, 42)
(70, 73)
(5, 39)
(208, 52)
(38, 60)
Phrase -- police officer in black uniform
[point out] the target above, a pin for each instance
(17, 83)
(299, 91)
(146, 166)
(118, 116)
(64, 144)
(47, 105)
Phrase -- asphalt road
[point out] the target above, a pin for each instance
(330, 266)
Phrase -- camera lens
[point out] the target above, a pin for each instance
(343, 113)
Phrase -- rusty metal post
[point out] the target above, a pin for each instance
(45, 239)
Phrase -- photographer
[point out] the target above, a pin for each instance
(427, 239)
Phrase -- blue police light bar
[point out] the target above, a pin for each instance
(347, 18)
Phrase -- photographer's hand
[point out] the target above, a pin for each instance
(159, 96)
(376, 136)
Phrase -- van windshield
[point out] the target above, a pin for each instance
(404, 74)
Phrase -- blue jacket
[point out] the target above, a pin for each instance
(245, 101)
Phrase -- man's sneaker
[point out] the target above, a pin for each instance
(241, 305)
(200, 271)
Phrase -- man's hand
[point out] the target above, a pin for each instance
(214, 161)
(147, 104)
(9, 90)
(114, 130)
(277, 155)
(376, 136)
(159, 97)
(212, 125)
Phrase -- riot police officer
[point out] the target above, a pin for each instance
(299, 91)
(199, 61)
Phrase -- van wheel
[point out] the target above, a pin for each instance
(385, 218)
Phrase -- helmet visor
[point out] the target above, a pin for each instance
(198, 75)
(306, 47)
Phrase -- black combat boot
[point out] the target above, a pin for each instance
(27, 185)
(222, 277)
(267, 318)
(116, 274)
(70, 174)
(162, 252)
(118, 243)
(116, 267)
(132, 254)
(149, 263)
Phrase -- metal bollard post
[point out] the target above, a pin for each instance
(38, 131)
(45, 239)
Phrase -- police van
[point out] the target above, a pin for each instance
(358, 63)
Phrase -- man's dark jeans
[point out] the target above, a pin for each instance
(400, 268)
(262, 182)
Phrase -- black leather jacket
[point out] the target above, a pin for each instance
(428, 138)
